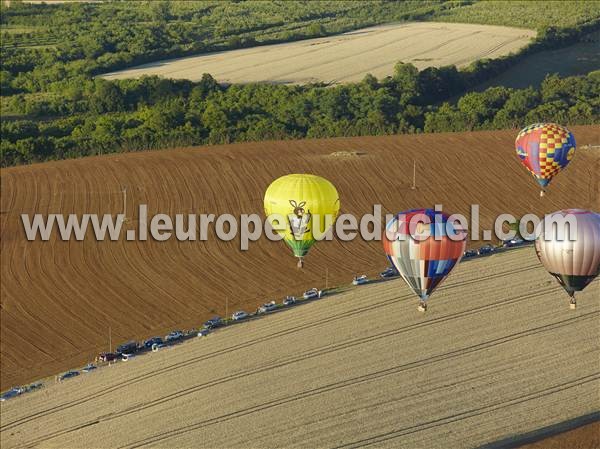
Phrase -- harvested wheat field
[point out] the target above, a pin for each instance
(346, 57)
(499, 353)
(60, 297)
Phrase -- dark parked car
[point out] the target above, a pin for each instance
(127, 348)
(12, 393)
(213, 323)
(153, 341)
(107, 356)
(488, 249)
(470, 253)
(33, 387)
(389, 272)
(68, 375)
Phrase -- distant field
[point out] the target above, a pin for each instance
(346, 57)
(578, 59)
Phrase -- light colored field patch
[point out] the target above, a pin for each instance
(347, 57)
(499, 353)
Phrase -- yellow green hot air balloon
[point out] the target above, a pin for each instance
(301, 208)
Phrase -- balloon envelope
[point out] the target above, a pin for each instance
(421, 248)
(308, 205)
(574, 263)
(545, 149)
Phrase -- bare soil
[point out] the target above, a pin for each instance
(58, 299)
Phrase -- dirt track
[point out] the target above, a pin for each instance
(59, 298)
(346, 57)
(499, 353)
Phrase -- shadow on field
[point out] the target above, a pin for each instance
(545, 432)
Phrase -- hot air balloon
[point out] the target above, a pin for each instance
(545, 149)
(574, 263)
(300, 198)
(422, 249)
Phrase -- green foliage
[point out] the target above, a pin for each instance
(150, 113)
(113, 35)
(53, 107)
(537, 15)
(499, 107)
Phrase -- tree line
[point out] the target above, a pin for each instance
(54, 106)
(152, 113)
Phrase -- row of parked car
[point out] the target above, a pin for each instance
(391, 271)
(488, 249)
(267, 307)
(17, 391)
(129, 349)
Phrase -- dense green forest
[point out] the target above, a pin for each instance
(53, 107)
(150, 113)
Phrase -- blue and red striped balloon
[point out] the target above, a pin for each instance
(424, 249)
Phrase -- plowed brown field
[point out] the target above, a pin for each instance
(59, 298)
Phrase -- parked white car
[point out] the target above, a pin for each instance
(289, 300)
(174, 336)
(239, 315)
(267, 307)
(360, 280)
(313, 293)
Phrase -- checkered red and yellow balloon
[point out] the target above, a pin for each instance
(545, 149)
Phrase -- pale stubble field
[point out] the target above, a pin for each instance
(499, 353)
(346, 57)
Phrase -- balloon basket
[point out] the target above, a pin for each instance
(572, 306)
(542, 193)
